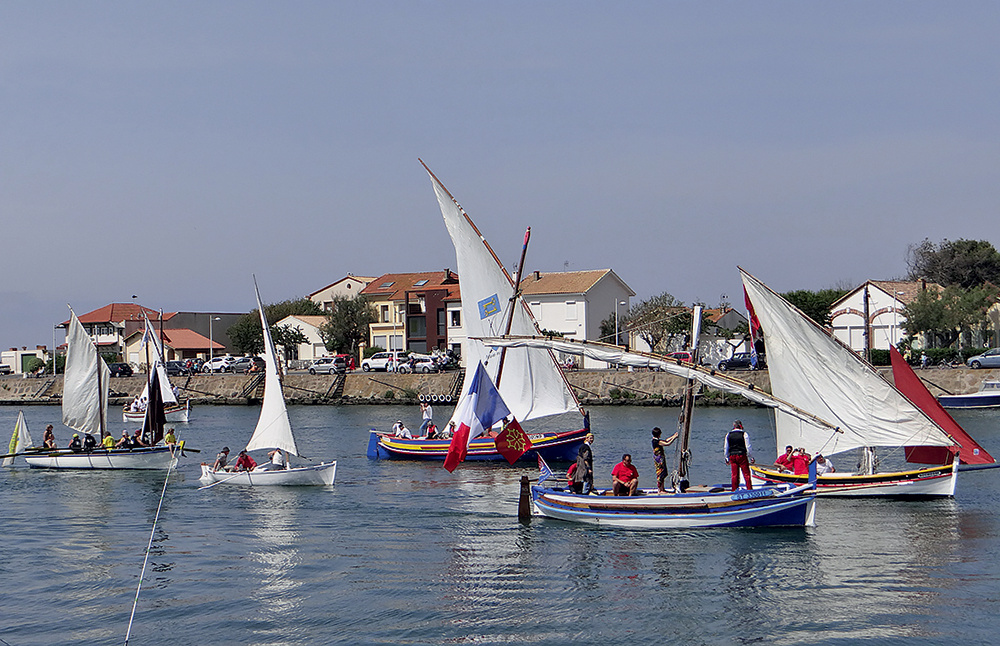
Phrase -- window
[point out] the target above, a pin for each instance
(420, 283)
(387, 284)
(396, 342)
(417, 326)
(384, 315)
(442, 328)
(378, 341)
(456, 318)
(571, 310)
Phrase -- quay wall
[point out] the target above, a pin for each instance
(593, 387)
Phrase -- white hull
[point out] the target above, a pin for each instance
(173, 414)
(890, 485)
(320, 474)
(154, 458)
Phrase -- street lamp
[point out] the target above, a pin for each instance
(211, 344)
(617, 303)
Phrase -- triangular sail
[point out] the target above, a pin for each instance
(20, 440)
(273, 431)
(85, 383)
(532, 384)
(910, 385)
(155, 419)
(166, 389)
(812, 370)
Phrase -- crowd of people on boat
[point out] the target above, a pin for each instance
(428, 430)
(89, 443)
(796, 461)
(277, 461)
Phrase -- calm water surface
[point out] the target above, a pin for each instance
(406, 553)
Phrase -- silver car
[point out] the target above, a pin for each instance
(988, 359)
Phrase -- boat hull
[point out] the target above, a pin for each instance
(765, 507)
(176, 413)
(933, 482)
(315, 475)
(973, 400)
(157, 457)
(558, 447)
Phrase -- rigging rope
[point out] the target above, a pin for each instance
(149, 547)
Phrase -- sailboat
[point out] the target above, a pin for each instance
(530, 381)
(686, 507)
(174, 410)
(85, 409)
(813, 370)
(273, 431)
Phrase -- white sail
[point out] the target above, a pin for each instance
(20, 440)
(812, 370)
(166, 388)
(85, 383)
(710, 378)
(531, 383)
(273, 431)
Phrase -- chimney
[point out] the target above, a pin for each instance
(538, 275)
(41, 347)
(447, 274)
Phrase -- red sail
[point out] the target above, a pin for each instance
(908, 383)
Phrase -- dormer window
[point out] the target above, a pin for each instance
(387, 284)
(420, 283)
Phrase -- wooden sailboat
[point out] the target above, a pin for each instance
(85, 409)
(174, 410)
(531, 382)
(273, 431)
(813, 370)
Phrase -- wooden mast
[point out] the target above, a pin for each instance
(680, 479)
(513, 302)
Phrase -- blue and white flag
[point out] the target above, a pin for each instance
(544, 472)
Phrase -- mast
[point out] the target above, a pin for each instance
(102, 416)
(683, 452)
(513, 302)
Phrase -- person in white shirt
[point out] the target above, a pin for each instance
(823, 465)
(399, 430)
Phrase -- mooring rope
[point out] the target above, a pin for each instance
(149, 547)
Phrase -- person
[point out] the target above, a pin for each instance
(189, 366)
(800, 461)
(739, 455)
(350, 364)
(625, 477)
(784, 461)
(89, 443)
(448, 433)
(924, 360)
(659, 458)
(49, 438)
(584, 474)
(177, 392)
(143, 404)
(244, 462)
(137, 440)
(432, 432)
(107, 441)
(125, 442)
(221, 460)
(427, 414)
(170, 440)
(400, 430)
(823, 465)
(569, 477)
(134, 407)
(279, 460)
(74, 444)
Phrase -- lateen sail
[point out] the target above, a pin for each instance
(166, 390)
(273, 431)
(20, 440)
(85, 384)
(812, 370)
(531, 384)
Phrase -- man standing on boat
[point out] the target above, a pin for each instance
(427, 413)
(584, 474)
(739, 454)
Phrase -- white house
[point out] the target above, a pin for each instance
(348, 286)
(885, 320)
(312, 349)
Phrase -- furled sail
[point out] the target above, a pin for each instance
(531, 384)
(814, 371)
(710, 378)
(85, 384)
(273, 430)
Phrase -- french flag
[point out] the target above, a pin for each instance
(479, 410)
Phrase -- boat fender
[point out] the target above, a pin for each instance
(422, 398)
(447, 399)
(434, 398)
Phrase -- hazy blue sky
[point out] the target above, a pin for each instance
(169, 150)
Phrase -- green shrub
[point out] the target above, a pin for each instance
(880, 357)
(390, 394)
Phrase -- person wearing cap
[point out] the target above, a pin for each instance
(221, 459)
(74, 444)
(584, 474)
(739, 455)
(244, 462)
(399, 430)
(823, 465)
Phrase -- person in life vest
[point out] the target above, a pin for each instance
(738, 454)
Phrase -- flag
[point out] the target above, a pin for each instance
(544, 472)
(20, 440)
(513, 442)
(481, 407)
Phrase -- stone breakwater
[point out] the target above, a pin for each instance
(593, 387)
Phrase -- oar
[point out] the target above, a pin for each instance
(221, 481)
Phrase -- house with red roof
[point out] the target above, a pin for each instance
(417, 312)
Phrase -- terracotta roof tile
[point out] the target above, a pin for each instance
(395, 285)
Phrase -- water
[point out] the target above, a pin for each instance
(406, 553)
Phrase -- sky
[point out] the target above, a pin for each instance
(171, 150)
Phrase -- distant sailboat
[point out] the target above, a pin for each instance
(174, 410)
(273, 431)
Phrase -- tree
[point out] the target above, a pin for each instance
(816, 305)
(248, 338)
(657, 320)
(962, 263)
(941, 316)
(607, 329)
(347, 323)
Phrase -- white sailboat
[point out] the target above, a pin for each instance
(85, 409)
(20, 441)
(813, 370)
(273, 431)
(174, 410)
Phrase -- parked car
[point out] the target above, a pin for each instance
(988, 359)
(422, 365)
(5, 369)
(218, 364)
(329, 366)
(175, 368)
(742, 361)
(382, 360)
(683, 356)
(245, 365)
(120, 370)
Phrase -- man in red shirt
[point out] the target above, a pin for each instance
(245, 463)
(625, 477)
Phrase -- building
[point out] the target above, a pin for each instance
(349, 286)
(19, 360)
(417, 312)
(573, 303)
(881, 317)
(178, 344)
(309, 326)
